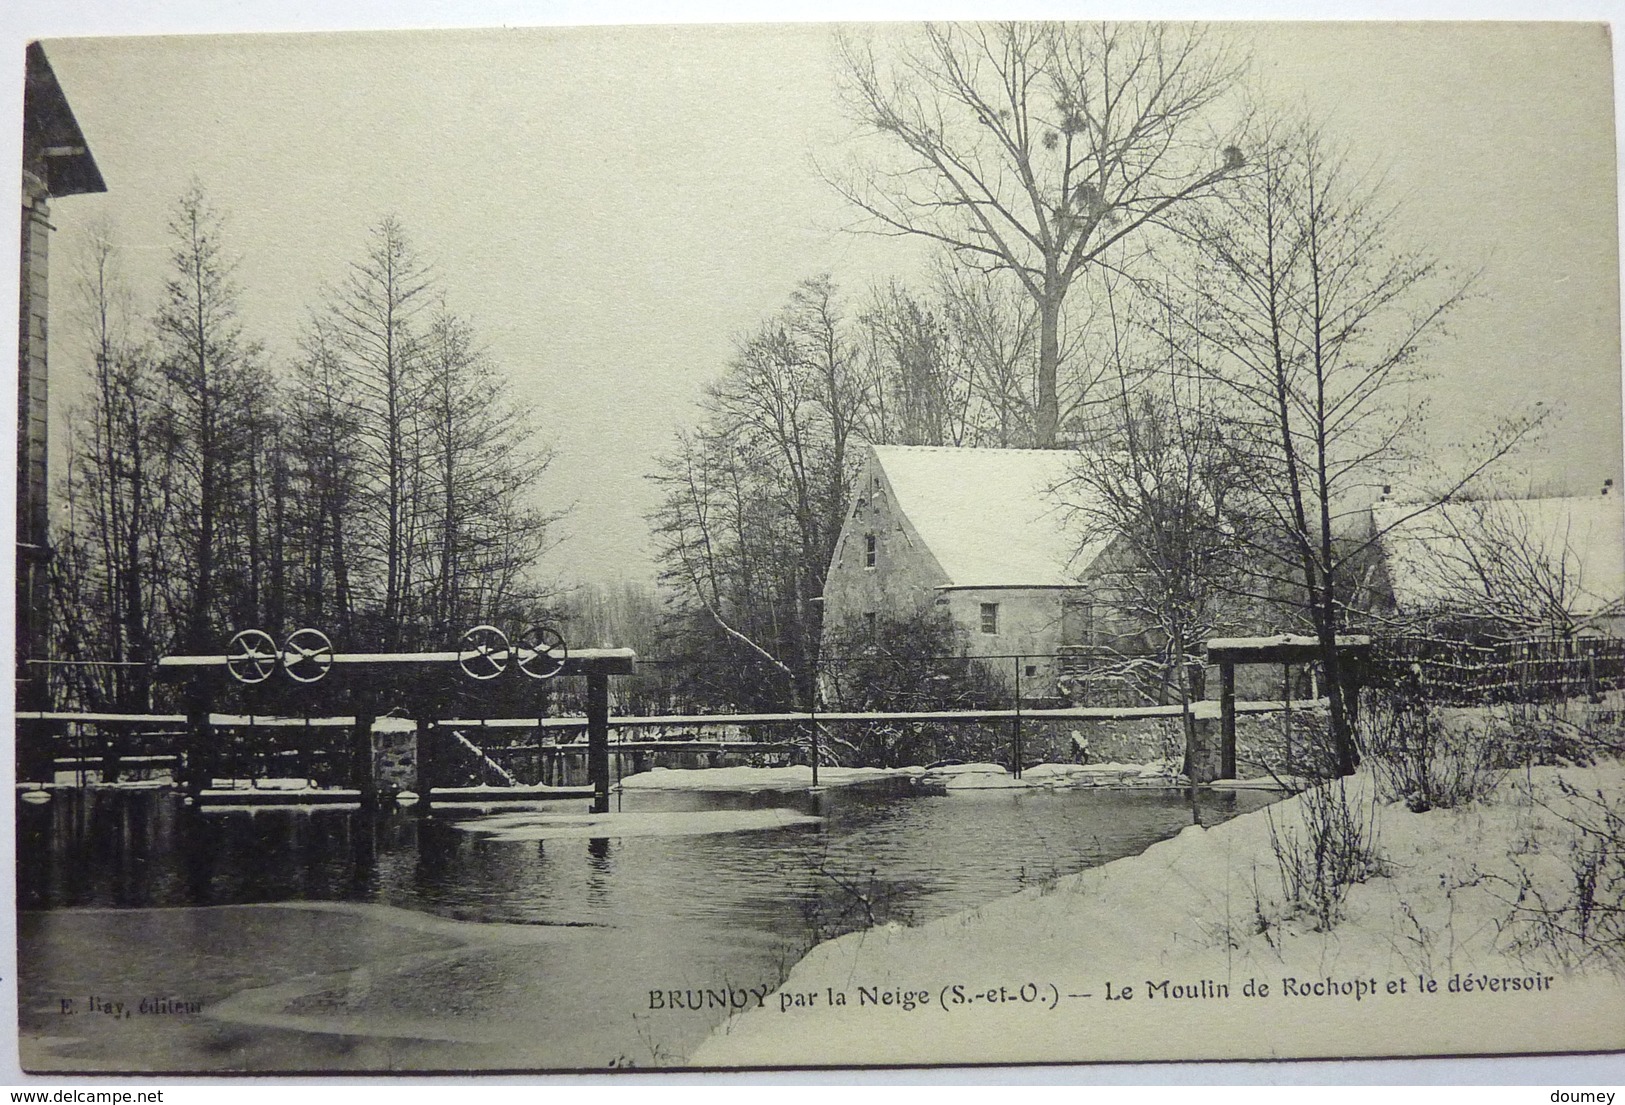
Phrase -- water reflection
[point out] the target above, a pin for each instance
(130, 849)
(654, 911)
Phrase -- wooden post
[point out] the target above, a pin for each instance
(426, 749)
(812, 722)
(362, 774)
(813, 733)
(598, 739)
(1227, 719)
(81, 755)
(307, 766)
(1353, 677)
(1286, 715)
(36, 751)
(199, 738)
(110, 758)
(1015, 735)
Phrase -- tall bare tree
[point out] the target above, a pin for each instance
(373, 325)
(753, 499)
(480, 467)
(1034, 149)
(117, 484)
(324, 480)
(1321, 313)
(1164, 495)
(215, 378)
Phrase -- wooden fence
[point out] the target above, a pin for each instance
(1532, 670)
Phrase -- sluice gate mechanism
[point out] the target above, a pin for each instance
(393, 705)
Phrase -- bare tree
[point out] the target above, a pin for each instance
(754, 498)
(372, 325)
(481, 466)
(117, 485)
(1035, 148)
(214, 376)
(1163, 496)
(992, 331)
(726, 553)
(325, 481)
(81, 621)
(245, 564)
(1320, 314)
(1507, 567)
(917, 392)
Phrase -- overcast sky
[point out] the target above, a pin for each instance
(613, 206)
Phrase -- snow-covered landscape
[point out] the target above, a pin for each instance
(818, 545)
(1192, 948)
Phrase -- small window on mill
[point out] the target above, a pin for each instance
(870, 550)
(990, 617)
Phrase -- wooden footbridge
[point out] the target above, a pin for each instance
(307, 674)
(384, 759)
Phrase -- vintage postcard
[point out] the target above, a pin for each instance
(818, 545)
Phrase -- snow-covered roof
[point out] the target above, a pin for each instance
(1281, 640)
(989, 515)
(1449, 553)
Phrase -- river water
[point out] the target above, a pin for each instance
(153, 936)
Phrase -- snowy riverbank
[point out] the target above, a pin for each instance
(1190, 950)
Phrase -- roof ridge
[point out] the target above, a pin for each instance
(1463, 501)
(969, 449)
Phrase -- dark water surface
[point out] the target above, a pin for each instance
(341, 940)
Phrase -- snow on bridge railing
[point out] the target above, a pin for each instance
(1201, 710)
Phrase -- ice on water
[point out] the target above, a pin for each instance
(558, 825)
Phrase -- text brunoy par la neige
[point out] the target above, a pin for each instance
(1050, 995)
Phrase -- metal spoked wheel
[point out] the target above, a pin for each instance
(251, 656)
(542, 652)
(483, 652)
(307, 656)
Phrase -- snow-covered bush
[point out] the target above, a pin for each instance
(1424, 761)
(840, 899)
(1584, 922)
(1567, 731)
(1330, 848)
(915, 662)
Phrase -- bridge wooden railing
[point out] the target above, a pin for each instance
(253, 661)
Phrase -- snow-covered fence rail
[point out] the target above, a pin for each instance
(1530, 670)
(723, 682)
